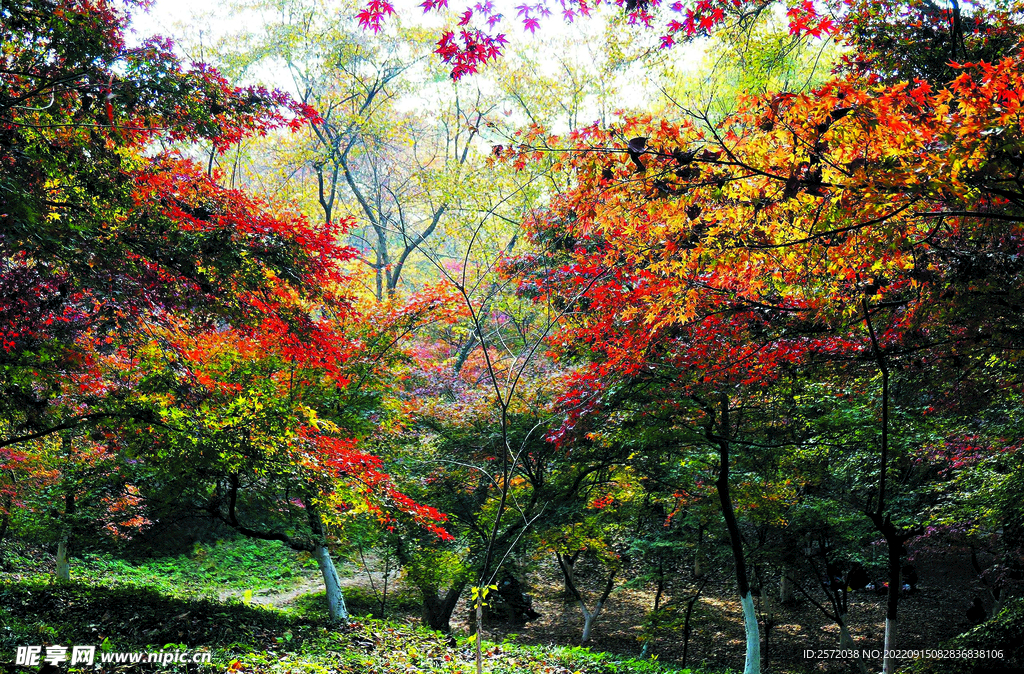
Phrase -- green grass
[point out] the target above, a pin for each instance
(253, 639)
(360, 601)
(238, 564)
(170, 603)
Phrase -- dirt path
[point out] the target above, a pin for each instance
(276, 597)
(279, 598)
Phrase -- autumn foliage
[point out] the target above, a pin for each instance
(139, 295)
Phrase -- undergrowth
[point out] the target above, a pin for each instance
(248, 638)
(170, 603)
(236, 564)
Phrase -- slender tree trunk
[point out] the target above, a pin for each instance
(998, 599)
(384, 584)
(840, 606)
(895, 545)
(63, 563)
(686, 621)
(769, 616)
(335, 598)
(883, 523)
(661, 586)
(588, 621)
(589, 618)
(846, 643)
(8, 505)
(657, 604)
(698, 555)
(787, 586)
(568, 565)
(752, 661)
(479, 632)
(996, 594)
(3, 533)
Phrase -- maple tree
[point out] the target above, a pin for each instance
(100, 237)
(271, 436)
(183, 322)
(825, 225)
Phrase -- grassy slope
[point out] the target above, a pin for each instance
(156, 604)
(240, 564)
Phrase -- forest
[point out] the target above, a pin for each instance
(575, 337)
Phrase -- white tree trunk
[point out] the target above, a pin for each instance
(890, 640)
(752, 664)
(335, 598)
(998, 598)
(63, 564)
(846, 643)
(589, 617)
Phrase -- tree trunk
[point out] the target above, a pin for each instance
(6, 521)
(590, 617)
(752, 661)
(335, 599)
(998, 599)
(846, 643)
(996, 594)
(588, 621)
(769, 615)
(63, 566)
(437, 611)
(787, 586)
(568, 565)
(686, 622)
(891, 607)
(698, 555)
(63, 563)
(657, 604)
(894, 538)
(3, 533)
(479, 632)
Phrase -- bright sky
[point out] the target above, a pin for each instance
(164, 16)
(209, 19)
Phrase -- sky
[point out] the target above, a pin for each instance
(165, 15)
(208, 20)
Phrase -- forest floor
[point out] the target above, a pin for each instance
(171, 605)
(928, 617)
(254, 582)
